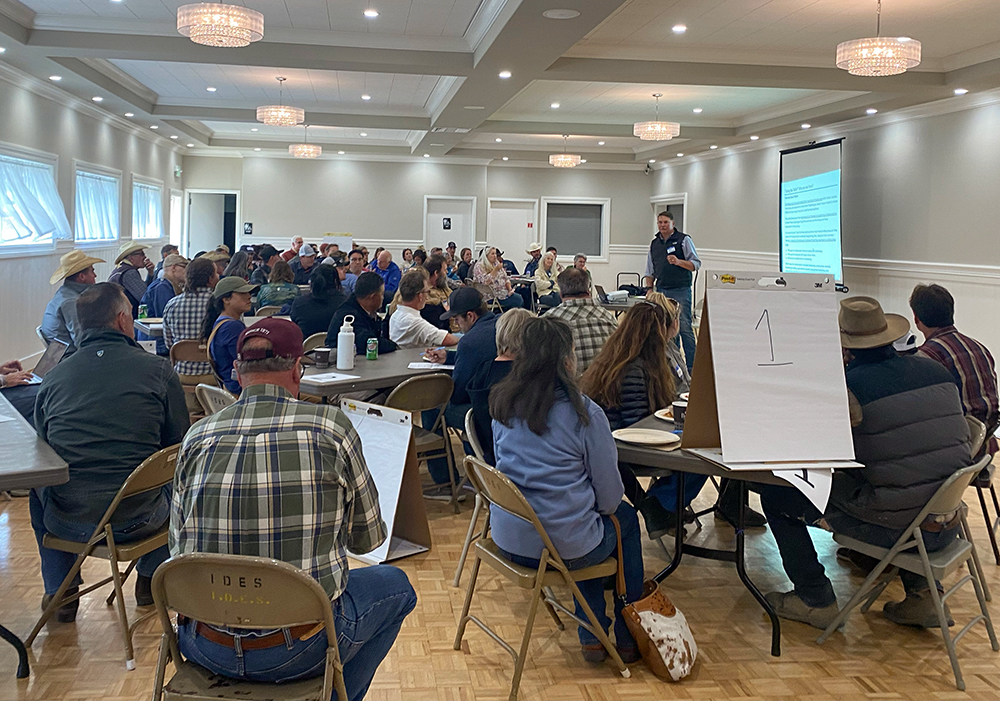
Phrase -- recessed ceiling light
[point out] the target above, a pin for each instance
(190, 145)
(97, 99)
(3, 50)
(680, 155)
(504, 74)
(438, 145)
(257, 149)
(505, 158)
(560, 14)
(173, 136)
(153, 126)
(340, 152)
(679, 28)
(364, 133)
(583, 160)
(713, 147)
(210, 89)
(474, 107)
(427, 155)
(806, 125)
(366, 96)
(960, 91)
(55, 78)
(600, 143)
(554, 105)
(253, 129)
(697, 110)
(652, 160)
(129, 114)
(116, 0)
(498, 139)
(871, 110)
(371, 14)
(754, 137)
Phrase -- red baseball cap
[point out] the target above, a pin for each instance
(285, 338)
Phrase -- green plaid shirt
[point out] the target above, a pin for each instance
(274, 477)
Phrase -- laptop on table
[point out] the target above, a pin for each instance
(50, 358)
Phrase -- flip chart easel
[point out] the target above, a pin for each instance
(387, 444)
(768, 389)
(343, 241)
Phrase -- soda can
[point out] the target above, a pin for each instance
(372, 349)
(143, 311)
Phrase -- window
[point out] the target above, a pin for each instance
(31, 212)
(577, 226)
(97, 207)
(147, 211)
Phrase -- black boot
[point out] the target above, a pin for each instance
(728, 505)
(67, 612)
(659, 521)
(143, 590)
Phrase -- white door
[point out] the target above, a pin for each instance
(449, 219)
(511, 226)
(206, 220)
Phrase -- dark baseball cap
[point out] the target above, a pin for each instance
(463, 300)
(285, 338)
(267, 252)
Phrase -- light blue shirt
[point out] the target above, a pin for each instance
(350, 279)
(569, 475)
(60, 320)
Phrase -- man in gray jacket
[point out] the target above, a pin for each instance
(910, 434)
(104, 410)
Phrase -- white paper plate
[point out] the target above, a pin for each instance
(665, 414)
(645, 436)
(684, 395)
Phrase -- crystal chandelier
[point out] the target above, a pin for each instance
(279, 115)
(656, 130)
(878, 55)
(564, 160)
(214, 24)
(305, 150)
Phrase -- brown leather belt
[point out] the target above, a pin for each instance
(264, 642)
(936, 524)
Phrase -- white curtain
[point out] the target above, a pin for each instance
(30, 209)
(96, 207)
(147, 211)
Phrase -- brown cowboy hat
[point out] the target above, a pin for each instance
(72, 263)
(863, 324)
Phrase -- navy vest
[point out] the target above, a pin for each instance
(669, 276)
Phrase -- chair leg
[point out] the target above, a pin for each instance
(464, 620)
(990, 531)
(863, 591)
(879, 587)
(982, 599)
(57, 599)
(598, 631)
(549, 594)
(469, 537)
(941, 615)
(974, 561)
(161, 668)
(116, 576)
(536, 596)
(128, 571)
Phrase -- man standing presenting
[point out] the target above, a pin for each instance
(671, 263)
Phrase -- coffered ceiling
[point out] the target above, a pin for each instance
(430, 70)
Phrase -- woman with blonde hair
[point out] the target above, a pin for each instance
(545, 281)
(489, 271)
(630, 379)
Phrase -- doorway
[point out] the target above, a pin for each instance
(511, 226)
(211, 220)
(448, 219)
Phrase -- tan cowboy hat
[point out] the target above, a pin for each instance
(72, 263)
(128, 248)
(863, 324)
(215, 256)
(533, 247)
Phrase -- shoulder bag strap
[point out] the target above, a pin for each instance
(620, 575)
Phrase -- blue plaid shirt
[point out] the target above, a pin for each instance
(182, 322)
(271, 476)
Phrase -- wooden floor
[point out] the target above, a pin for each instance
(871, 659)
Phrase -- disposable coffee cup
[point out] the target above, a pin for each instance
(680, 408)
(322, 357)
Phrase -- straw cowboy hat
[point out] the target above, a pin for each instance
(863, 324)
(72, 263)
(533, 247)
(128, 248)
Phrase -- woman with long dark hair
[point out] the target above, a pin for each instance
(556, 446)
(280, 289)
(239, 266)
(221, 326)
(313, 310)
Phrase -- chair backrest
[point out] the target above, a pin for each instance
(472, 436)
(41, 336)
(213, 399)
(154, 472)
(422, 393)
(977, 435)
(269, 310)
(192, 351)
(949, 495)
(314, 341)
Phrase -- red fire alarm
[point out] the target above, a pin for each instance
(530, 224)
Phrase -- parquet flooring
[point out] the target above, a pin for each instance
(871, 659)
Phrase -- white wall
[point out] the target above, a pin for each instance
(42, 117)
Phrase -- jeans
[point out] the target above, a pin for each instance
(593, 589)
(367, 615)
(552, 299)
(513, 301)
(56, 564)
(665, 489)
(683, 297)
(789, 514)
(454, 416)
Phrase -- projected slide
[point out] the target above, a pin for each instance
(810, 212)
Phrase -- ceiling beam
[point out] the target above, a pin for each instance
(504, 126)
(314, 118)
(354, 149)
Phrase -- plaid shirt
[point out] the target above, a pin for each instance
(274, 477)
(591, 324)
(971, 364)
(182, 322)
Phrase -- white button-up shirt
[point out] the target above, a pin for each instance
(410, 330)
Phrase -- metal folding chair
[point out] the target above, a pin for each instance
(498, 490)
(471, 535)
(155, 472)
(194, 352)
(269, 310)
(213, 399)
(934, 566)
(314, 341)
(281, 596)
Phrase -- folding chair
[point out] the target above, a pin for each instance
(193, 352)
(314, 341)
(429, 393)
(41, 337)
(213, 399)
(471, 535)
(498, 490)
(934, 566)
(281, 596)
(269, 310)
(487, 292)
(977, 441)
(984, 483)
(155, 471)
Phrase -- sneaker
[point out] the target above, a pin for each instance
(67, 612)
(789, 605)
(143, 591)
(659, 521)
(915, 610)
